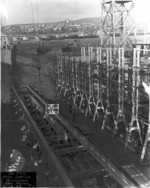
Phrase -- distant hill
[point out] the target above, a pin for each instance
(84, 25)
(95, 20)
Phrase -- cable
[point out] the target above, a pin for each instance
(76, 15)
(37, 11)
(32, 12)
(75, 10)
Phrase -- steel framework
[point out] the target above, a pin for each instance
(116, 22)
(110, 91)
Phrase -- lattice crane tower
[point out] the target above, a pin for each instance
(117, 23)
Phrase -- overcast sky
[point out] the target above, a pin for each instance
(20, 11)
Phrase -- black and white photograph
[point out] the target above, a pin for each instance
(75, 93)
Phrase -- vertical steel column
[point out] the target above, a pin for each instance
(99, 104)
(113, 25)
(56, 71)
(83, 54)
(99, 73)
(82, 70)
(80, 74)
(120, 115)
(84, 81)
(60, 74)
(90, 60)
(66, 70)
(130, 82)
(63, 64)
(67, 73)
(70, 71)
(77, 75)
(82, 67)
(74, 72)
(100, 78)
(107, 110)
(134, 124)
(62, 68)
(89, 78)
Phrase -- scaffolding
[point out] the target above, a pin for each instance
(109, 90)
(117, 23)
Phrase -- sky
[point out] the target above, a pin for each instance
(20, 11)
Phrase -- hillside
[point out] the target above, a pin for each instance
(86, 25)
(95, 20)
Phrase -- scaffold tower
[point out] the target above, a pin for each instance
(117, 23)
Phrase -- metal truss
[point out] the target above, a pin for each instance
(117, 23)
(108, 72)
(134, 124)
(103, 87)
(120, 119)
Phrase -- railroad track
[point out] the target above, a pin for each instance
(78, 162)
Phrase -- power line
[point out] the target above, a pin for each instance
(75, 10)
(32, 12)
(37, 11)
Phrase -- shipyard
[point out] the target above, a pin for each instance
(75, 97)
